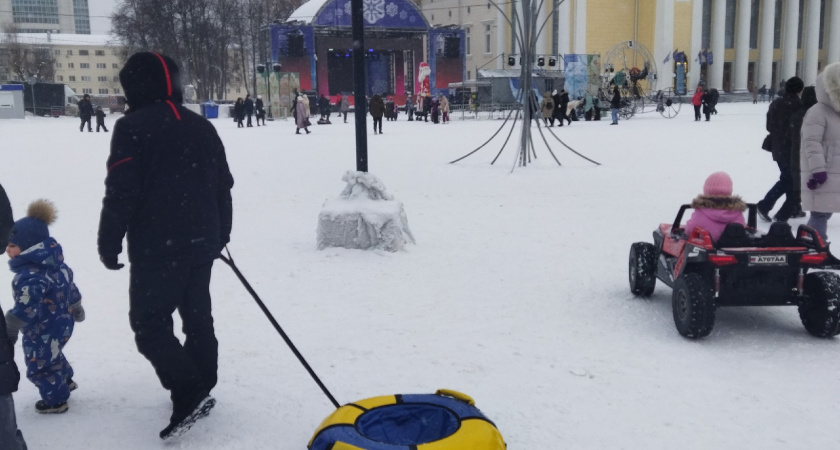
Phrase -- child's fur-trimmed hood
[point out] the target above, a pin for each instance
(734, 203)
(828, 86)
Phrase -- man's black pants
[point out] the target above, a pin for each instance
(189, 370)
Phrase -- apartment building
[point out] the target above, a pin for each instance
(41, 16)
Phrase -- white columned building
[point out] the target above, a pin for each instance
(740, 72)
(542, 40)
(790, 30)
(832, 41)
(663, 40)
(580, 26)
(696, 45)
(718, 33)
(811, 42)
(765, 43)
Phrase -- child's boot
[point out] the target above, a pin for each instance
(44, 408)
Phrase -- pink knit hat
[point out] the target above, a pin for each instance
(718, 185)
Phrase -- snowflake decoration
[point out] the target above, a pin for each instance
(411, 19)
(391, 9)
(403, 15)
(339, 12)
(347, 8)
(439, 43)
(373, 10)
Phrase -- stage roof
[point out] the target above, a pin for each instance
(391, 14)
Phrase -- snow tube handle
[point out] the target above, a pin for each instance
(456, 395)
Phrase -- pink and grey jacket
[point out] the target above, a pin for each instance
(714, 213)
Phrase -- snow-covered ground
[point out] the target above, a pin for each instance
(516, 292)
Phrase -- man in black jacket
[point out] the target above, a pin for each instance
(168, 188)
(778, 124)
(249, 109)
(85, 112)
(10, 436)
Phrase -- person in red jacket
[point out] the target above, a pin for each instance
(697, 100)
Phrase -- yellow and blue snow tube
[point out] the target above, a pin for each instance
(445, 420)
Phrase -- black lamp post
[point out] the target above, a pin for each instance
(261, 68)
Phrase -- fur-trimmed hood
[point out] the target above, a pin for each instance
(733, 203)
(828, 86)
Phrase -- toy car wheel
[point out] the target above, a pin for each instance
(820, 308)
(693, 305)
(642, 268)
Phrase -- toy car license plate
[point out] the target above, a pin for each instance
(768, 259)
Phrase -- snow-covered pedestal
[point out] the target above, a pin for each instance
(363, 216)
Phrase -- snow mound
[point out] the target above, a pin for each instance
(364, 216)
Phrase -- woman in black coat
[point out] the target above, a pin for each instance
(239, 112)
(706, 101)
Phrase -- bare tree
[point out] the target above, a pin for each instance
(27, 61)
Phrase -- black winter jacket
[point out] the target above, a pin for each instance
(85, 109)
(779, 115)
(615, 103)
(249, 107)
(9, 375)
(168, 187)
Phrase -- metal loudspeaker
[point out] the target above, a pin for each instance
(552, 62)
(541, 61)
(511, 61)
(276, 67)
(260, 68)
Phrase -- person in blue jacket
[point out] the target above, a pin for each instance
(47, 304)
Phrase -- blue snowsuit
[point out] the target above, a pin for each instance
(44, 292)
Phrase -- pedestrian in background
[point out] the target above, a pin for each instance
(249, 109)
(85, 112)
(615, 104)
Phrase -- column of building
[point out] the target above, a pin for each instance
(663, 40)
(790, 30)
(740, 73)
(832, 51)
(811, 42)
(696, 44)
(718, 33)
(564, 32)
(765, 43)
(502, 28)
(580, 26)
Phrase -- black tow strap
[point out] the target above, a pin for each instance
(229, 261)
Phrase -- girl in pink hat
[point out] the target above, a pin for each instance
(717, 207)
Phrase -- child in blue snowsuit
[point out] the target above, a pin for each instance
(47, 303)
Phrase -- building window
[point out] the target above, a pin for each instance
(60, 77)
(84, 65)
(469, 41)
(103, 90)
(72, 78)
(116, 79)
(87, 91)
(468, 9)
(488, 7)
(450, 13)
(69, 52)
(58, 65)
(69, 65)
(469, 74)
(102, 79)
(85, 78)
(116, 90)
(115, 66)
(100, 52)
(433, 17)
(56, 52)
(101, 66)
(487, 36)
(83, 53)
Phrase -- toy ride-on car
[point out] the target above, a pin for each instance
(745, 267)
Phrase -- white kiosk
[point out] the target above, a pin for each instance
(11, 101)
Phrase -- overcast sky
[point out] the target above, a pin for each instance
(100, 11)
